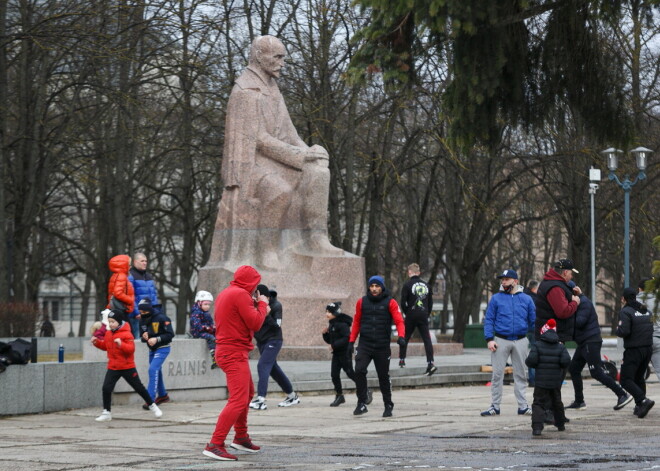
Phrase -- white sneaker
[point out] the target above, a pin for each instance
(290, 401)
(259, 403)
(156, 410)
(106, 416)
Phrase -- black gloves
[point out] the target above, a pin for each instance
(351, 347)
(401, 341)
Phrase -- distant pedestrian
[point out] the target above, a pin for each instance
(47, 328)
(550, 358)
(636, 330)
(336, 334)
(157, 332)
(417, 304)
(119, 344)
(509, 316)
(239, 311)
(589, 343)
(374, 315)
(269, 342)
(201, 322)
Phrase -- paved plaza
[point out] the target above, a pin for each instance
(435, 428)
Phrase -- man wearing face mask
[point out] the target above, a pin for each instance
(509, 316)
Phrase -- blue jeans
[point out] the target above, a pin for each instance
(268, 366)
(156, 385)
(135, 327)
(531, 372)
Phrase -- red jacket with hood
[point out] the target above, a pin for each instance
(237, 315)
(119, 286)
(120, 357)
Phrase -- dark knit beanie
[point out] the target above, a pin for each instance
(263, 289)
(334, 308)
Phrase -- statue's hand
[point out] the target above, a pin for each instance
(316, 153)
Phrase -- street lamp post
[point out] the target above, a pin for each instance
(641, 157)
(594, 176)
(71, 306)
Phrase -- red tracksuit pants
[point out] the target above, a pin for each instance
(240, 389)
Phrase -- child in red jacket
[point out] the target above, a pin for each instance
(119, 286)
(118, 343)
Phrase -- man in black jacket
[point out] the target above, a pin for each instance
(589, 343)
(636, 329)
(374, 314)
(269, 342)
(416, 304)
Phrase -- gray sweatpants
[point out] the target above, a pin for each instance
(655, 357)
(517, 350)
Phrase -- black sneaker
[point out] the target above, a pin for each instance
(370, 396)
(388, 410)
(636, 410)
(163, 399)
(431, 369)
(561, 428)
(402, 363)
(644, 407)
(576, 405)
(360, 409)
(536, 432)
(623, 401)
(339, 399)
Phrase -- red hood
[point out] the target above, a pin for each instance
(120, 264)
(553, 275)
(247, 278)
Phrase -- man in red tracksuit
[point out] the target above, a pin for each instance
(239, 312)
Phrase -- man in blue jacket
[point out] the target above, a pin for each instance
(145, 287)
(510, 315)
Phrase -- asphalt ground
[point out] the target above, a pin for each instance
(438, 428)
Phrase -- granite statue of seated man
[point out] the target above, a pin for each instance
(276, 187)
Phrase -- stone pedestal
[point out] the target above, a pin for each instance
(304, 287)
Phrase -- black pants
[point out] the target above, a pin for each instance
(341, 361)
(419, 320)
(131, 377)
(543, 398)
(633, 369)
(381, 360)
(589, 353)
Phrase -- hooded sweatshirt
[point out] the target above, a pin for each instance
(119, 286)
(120, 357)
(237, 314)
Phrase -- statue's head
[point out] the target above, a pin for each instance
(268, 53)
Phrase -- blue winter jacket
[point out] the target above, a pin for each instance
(144, 287)
(509, 316)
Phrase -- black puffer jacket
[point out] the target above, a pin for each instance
(270, 329)
(550, 358)
(587, 328)
(635, 326)
(338, 332)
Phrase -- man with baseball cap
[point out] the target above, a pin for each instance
(556, 300)
(509, 316)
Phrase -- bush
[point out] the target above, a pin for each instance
(18, 319)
